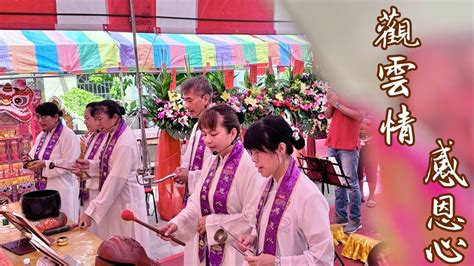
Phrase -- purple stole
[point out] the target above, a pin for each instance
(199, 155)
(41, 184)
(84, 193)
(278, 208)
(107, 152)
(196, 164)
(220, 199)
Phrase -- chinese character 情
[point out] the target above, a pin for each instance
(443, 169)
(403, 125)
(391, 31)
(395, 73)
(445, 251)
(443, 216)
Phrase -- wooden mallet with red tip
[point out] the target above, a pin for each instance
(128, 215)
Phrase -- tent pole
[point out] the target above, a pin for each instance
(139, 86)
(122, 92)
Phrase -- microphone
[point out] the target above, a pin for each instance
(232, 143)
(128, 215)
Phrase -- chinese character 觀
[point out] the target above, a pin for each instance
(391, 31)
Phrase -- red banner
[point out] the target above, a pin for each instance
(229, 78)
(299, 67)
(235, 10)
(28, 21)
(253, 73)
(173, 79)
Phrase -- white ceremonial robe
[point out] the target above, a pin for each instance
(304, 236)
(187, 160)
(65, 153)
(120, 191)
(92, 184)
(241, 202)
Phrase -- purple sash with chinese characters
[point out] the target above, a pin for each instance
(196, 164)
(41, 184)
(220, 199)
(84, 193)
(107, 152)
(199, 155)
(278, 208)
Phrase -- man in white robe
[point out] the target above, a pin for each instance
(187, 159)
(64, 153)
(196, 93)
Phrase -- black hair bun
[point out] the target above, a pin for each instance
(122, 110)
(298, 143)
(241, 117)
(60, 113)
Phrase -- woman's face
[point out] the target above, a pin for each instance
(91, 123)
(106, 123)
(47, 122)
(266, 162)
(219, 139)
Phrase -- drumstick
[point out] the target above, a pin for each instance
(128, 215)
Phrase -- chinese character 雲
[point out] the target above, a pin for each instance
(391, 31)
(442, 214)
(403, 125)
(443, 169)
(395, 73)
(445, 251)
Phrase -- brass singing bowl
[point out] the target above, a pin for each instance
(27, 164)
(221, 236)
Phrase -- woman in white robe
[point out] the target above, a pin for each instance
(221, 128)
(62, 152)
(300, 235)
(118, 186)
(95, 142)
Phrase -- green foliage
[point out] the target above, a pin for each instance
(115, 91)
(75, 100)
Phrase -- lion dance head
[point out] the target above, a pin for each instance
(15, 99)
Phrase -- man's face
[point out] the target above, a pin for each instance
(194, 102)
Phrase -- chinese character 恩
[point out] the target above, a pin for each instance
(443, 215)
(395, 73)
(391, 31)
(443, 169)
(403, 125)
(445, 251)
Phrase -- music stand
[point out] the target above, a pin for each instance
(34, 240)
(22, 246)
(324, 170)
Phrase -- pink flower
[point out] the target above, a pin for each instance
(252, 108)
(321, 116)
(161, 115)
(158, 100)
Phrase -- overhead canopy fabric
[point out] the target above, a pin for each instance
(96, 51)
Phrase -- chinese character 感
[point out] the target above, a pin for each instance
(392, 31)
(395, 73)
(443, 169)
(443, 214)
(403, 124)
(453, 256)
